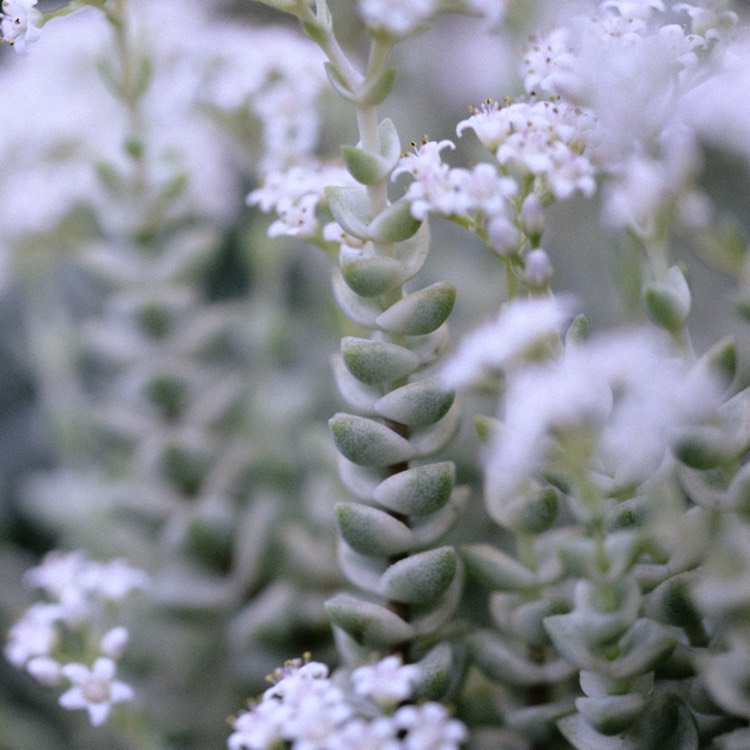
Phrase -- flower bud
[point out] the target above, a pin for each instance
(538, 269)
(531, 217)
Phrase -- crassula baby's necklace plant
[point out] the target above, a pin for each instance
(613, 469)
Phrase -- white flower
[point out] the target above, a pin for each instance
(18, 24)
(429, 727)
(432, 189)
(386, 682)
(640, 9)
(537, 270)
(259, 728)
(45, 669)
(424, 160)
(486, 190)
(112, 580)
(542, 138)
(94, 689)
(713, 108)
(295, 195)
(114, 642)
(397, 17)
(60, 577)
(624, 389)
(380, 734)
(544, 58)
(453, 192)
(489, 122)
(34, 634)
(643, 189)
(315, 715)
(708, 19)
(297, 219)
(523, 327)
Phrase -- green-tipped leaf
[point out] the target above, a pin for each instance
(417, 404)
(420, 491)
(378, 88)
(497, 570)
(394, 224)
(350, 207)
(368, 443)
(421, 312)
(668, 303)
(370, 531)
(421, 579)
(370, 624)
(611, 714)
(377, 362)
(369, 276)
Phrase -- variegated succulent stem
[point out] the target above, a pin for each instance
(388, 539)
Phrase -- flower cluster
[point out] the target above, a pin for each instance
(295, 195)
(652, 55)
(278, 79)
(542, 144)
(19, 24)
(64, 638)
(307, 710)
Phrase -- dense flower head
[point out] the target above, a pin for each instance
(543, 138)
(295, 194)
(312, 711)
(625, 390)
(19, 24)
(82, 595)
(458, 192)
(628, 66)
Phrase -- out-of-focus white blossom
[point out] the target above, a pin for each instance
(544, 57)
(311, 711)
(715, 108)
(84, 595)
(631, 67)
(640, 9)
(537, 269)
(523, 328)
(94, 689)
(398, 18)
(114, 642)
(278, 76)
(19, 24)
(709, 18)
(387, 682)
(65, 121)
(624, 389)
(429, 727)
(294, 195)
(33, 635)
(45, 670)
